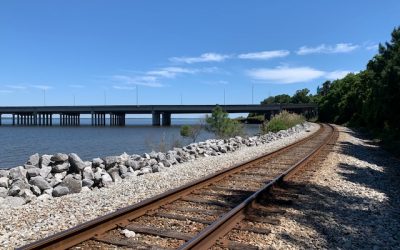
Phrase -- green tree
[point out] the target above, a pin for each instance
(191, 132)
(221, 125)
(301, 96)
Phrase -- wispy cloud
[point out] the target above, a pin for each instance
(42, 87)
(171, 72)
(337, 74)
(148, 81)
(286, 75)
(5, 91)
(219, 82)
(327, 49)
(372, 47)
(264, 55)
(206, 57)
(16, 87)
(76, 86)
(123, 87)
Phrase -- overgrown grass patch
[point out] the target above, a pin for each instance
(281, 121)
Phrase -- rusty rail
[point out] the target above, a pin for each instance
(100, 225)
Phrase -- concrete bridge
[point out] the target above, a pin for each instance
(70, 115)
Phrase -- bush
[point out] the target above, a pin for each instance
(281, 121)
(191, 132)
(221, 125)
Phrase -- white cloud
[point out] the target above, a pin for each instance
(264, 55)
(148, 81)
(5, 91)
(284, 75)
(16, 87)
(327, 49)
(206, 57)
(372, 47)
(42, 87)
(171, 72)
(338, 74)
(123, 87)
(76, 86)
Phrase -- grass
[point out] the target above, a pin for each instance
(281, 121)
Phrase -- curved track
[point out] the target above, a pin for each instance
(197, 215)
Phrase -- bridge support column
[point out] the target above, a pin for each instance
(0, 118)
(156, 118)
(166, 119)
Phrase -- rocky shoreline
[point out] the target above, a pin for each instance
(48, 176)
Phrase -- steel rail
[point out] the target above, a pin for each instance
(210, 235)
(85, 231)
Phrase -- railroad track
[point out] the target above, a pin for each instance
(203, 213)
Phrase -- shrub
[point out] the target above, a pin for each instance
(221, 125)
(191, 132)
(281, 121)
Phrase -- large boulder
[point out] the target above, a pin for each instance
(116, 177)
(40, 182)
(27, 195)
(111, 161)
(61, 167)
(12, 202)
(77, 164)
(59, 157)
(106, 179)
(122, 169)
(133, 164)
(74, 185)
(3, 192)
(4, 182)
(60, 191)
(88, 173)
(33, 160)
(45, 171)
(97, 162)
(45, 160)
(4, 173)
(17, 173)
(87, 183)
(32, 172)
(36, 190)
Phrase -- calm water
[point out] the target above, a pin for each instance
(18, 143)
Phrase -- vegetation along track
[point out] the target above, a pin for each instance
(197, 215)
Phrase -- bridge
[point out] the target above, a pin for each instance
(161, 114)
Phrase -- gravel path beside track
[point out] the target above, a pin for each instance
(39, 219)
(352, 202)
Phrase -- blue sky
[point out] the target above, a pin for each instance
(101, 51)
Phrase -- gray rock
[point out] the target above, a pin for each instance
(34, 160)
(32, 172)
(123, 158)
(97, 177)
(59, 157)
(27, 166)
(106, 179)
(27, 195)
(4, 173)
(152, 162)
(17, 173)
(88, 173)
(133, 164)
(166, 163)
(74, 185)
(36, 190)
(77, 164)
(123, 169)
(45, 171)
(146, 156)
(61, 167)
(136, 157)
(145, 170)
(116, 177)
(13, 202)
(60, 176)
(97, 162)
(60, 191)
(87, 183)
(44, 197)
(4, 182)
(14, 190)
(3, 192)
(48, 191)
(40, 182)
(155, 168)
(45, 161)
(111, 161)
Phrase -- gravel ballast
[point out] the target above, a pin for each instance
(42, 217)
(351, 202)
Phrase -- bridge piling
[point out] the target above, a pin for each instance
(156, 118)
(166, 119)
